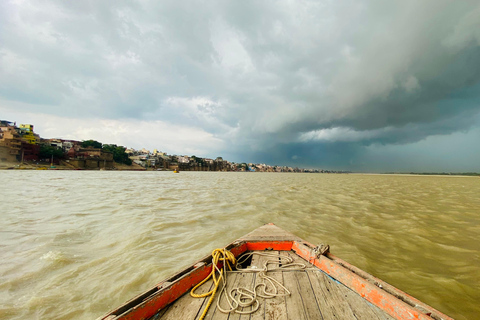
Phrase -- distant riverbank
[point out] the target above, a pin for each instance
(135, 167)
(61, 166)
(463, 174)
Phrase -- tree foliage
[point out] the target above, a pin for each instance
(198, 160)
(46, 152)
(91, 143)
(119, 154)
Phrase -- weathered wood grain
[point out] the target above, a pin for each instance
(361, 308)
(270, 232)
(310, 304)
(294, 303)
(257, 263)
(273, 308)
(314, 295)
(297, 259)
(213, 313)
(276, 308)
(339, 302)
(330, 299)
(244, 280)
(186, 307)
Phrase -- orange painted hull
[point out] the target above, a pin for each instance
(393, 301)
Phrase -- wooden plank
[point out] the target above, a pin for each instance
(361, 308)
(258, 263)
(297, 259)
(244, 280)
(258, 260)
(293, 302)
(213, 313)
(236, 279)
(395, 302)
(276, 308)
(397, 293)
(395, 307)
(187, 307)
(331, 301)
(148, 303)
(270, 232)
(357, 304)
(310, 304)
(312, 310)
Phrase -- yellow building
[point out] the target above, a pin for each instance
(27, 127)
(26, 131)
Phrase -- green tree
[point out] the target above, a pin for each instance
(46, 152)
(91, 143)
(119, 154)
(198, 160)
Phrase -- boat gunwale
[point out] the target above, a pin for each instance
(204, 265)
(388, 298)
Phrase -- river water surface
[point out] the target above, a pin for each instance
(74, 244)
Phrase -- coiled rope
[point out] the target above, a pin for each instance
(217, 255)
(239, 298)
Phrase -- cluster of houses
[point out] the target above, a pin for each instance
(162, 161)
(18, 143)
(22, 144)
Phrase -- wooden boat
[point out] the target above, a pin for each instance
(326, 287)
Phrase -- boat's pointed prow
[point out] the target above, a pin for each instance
(329, 285)
(270, 231)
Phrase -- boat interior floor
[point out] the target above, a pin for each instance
(314, 295)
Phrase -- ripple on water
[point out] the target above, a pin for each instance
(57, 257)
(107, 236)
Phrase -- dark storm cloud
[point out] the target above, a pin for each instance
(310, 81)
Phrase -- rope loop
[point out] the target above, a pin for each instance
(239, 298)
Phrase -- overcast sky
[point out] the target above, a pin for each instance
(356, 85)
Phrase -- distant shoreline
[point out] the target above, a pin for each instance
(122, 167)
(48, 166)
(413, 174)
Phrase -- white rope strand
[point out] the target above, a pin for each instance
(240, 298)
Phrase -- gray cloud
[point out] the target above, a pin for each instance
(311, 82)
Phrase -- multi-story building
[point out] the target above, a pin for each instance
(90, 158)
(65, 145)
(27, 134)
(183, 159)
(10, 142)
(30, 147)
(56, 143)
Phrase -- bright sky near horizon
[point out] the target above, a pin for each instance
(354, 85)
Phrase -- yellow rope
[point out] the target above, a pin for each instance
(218, 255)
(245, 297)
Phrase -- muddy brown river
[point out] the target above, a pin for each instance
(74, 244)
